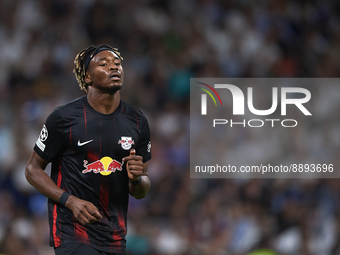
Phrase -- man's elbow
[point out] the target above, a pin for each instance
(141, 193)
(28, 173)
(139, 196)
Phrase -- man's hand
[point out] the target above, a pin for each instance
(84, 212)
(134, 165)
(135, 169)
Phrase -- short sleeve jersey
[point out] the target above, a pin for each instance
(86, 150)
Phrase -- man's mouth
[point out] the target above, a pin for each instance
(115, 76)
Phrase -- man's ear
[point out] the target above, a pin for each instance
(88, 79)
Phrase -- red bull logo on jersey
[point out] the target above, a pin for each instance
(126, 142)
(104, 166)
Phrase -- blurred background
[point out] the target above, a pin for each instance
(164, 43)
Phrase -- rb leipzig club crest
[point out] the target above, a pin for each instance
(126, 142)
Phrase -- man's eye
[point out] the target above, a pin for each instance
(103, 64)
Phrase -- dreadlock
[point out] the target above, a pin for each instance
(83, 59)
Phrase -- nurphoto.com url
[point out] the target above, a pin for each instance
(268, 168)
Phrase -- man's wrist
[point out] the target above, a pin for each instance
(63, 198)
(138, 181)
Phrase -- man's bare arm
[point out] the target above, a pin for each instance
(140, 190)
(137, 171)
(84, 211)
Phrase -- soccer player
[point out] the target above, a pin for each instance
(99, 146)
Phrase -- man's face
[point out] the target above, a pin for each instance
(105, 72)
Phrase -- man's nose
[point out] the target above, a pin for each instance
(113, 67)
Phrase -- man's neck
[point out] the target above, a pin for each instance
(104, 103)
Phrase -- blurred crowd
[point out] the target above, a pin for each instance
(165, 43)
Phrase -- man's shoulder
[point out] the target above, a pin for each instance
(131, 110)
(69, 108)
(74, 104)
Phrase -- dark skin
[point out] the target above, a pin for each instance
(104, 78)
